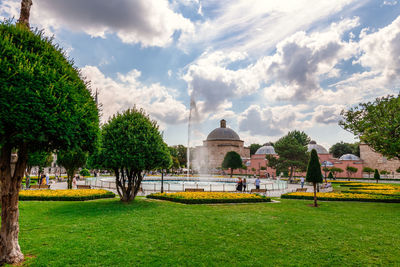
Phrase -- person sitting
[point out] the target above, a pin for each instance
(239, 185)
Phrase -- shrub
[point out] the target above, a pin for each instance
(209, 197)
(84, 172)
(65, 195)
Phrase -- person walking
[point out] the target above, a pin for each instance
(47, 178)
(302, 181)
(257, 183)
(244, 184)
(74, 181)
(239, 185)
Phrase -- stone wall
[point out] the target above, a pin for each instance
(375, 160)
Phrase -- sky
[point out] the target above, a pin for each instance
(267, 67)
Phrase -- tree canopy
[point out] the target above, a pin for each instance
(232, 160)
(71, 160)
(377, 124)
(44, 105)
(254, 148)
(341, 148)
(41, 159)
(130, 144)
(292, 152)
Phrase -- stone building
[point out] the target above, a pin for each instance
(375, 160)
(209, 156)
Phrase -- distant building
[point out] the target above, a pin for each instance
(375, 160)
(209, 156)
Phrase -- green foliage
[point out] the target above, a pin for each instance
(71, 160)
(41, 159)
(180, 152)
(292, 152)
(398, 170)
(131, 143)
(330, 175)
(368, 170)
(84, 172)
(377, 176)
(254, 148)
(351, 170)
(314, 174)
(376, 124)
(335, 170)
(44, 102)
(131, 140)
(175, 163)
(232, 160)
(341, 148)
(263, 168)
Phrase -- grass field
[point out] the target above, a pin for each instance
(152, 233)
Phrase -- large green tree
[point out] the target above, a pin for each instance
(71, 160)
(292, 153)
(341, 148)
(232, 160)
(130, 145)
(44, 105)
(254, 148)
(314, 174)
(377, 124)
(41, 159)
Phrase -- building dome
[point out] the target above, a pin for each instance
(349, 157)
(266, 149)
(223, 133)
(320, 149)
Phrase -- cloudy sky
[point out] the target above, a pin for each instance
(266, 66)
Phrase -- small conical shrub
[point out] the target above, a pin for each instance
(377, 176)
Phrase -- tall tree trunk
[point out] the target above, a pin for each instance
(315, 194)
(25, 12)
(10, 251)
(231, 172)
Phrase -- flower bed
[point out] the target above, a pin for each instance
(344, 197)
(209, 197)
(65, 195)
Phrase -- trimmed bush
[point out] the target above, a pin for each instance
(84, 172)
(209, 197)
(65, 195)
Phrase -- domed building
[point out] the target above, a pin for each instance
(220, 141)
(320, 149)
(258, 162)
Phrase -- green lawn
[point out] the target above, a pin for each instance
(152, 233)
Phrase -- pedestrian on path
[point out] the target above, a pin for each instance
(302, 181)
(244, 184)
(257, 183)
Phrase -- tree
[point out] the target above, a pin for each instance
(130, 145)
(336, 170)
(254, 148)
(341, 148)
(181, 153)
(292, 153)
(350, 171)
(368, 170)
(384, 172)
(376, 124)
(232, 160)
(376, 175)
(44, 105)
(71, 160)
(314, 174)
(41, 159)
(398, 170)
(330, 175)
(175, 163)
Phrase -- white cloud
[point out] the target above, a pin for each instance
(127, 90)
(327, 114)
(148, 22)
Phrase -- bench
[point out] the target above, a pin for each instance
(254, 190)
(194, 189)
(36, 186)
(301, 189)
(81, 186)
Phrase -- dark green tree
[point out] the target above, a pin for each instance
(254, 148)
(368, 170)
(44, 105)
(398, 170)
(41, 159)
(376, 124)
(232, 160)
(330, 175)
(292, 153)
(341, 148)
(130, 145)
(350, 171)
(84, 172)
(336, 170)
(71, 160)
(314, 174)
(377, 175)
(384, 172)
(181, 153)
